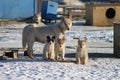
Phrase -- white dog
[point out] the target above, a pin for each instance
(60, 48)
(81, 54)
(31, 34)
(48, 50)
(37, 20)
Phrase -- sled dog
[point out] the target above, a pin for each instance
(81, 52)
(48, 51)
(33, 34)
(60, 48)
(37, 21)
(37, 18)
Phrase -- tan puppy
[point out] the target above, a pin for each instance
(81, 54)
(33, 34)
(48, 50)
(60, 48)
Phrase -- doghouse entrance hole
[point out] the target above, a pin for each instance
(110, 13)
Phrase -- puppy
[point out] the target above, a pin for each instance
(48, 50)
(81, 52)
(60, 48)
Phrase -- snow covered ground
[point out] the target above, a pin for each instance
(102, 64)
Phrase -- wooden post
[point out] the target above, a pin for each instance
(117, 39)
(15, 54)
(39, 6)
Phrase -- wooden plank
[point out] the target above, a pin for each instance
(12, 52)
(10, 49)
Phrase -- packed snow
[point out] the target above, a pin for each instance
(102, 65)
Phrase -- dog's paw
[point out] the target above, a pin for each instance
(63, 59)
(52, 59)
(77, 62)
(31, 57)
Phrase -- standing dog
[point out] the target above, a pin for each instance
(81, 54)
(31, 34)
(60, 48)
(48, 50)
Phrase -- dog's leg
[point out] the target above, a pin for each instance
(63, 56)
(45, 55)
(30, 49)
(49, 56)
(78, 60)
(63, 53)
(86, 59)
(52, 55)
(82, 60)
(56, 55)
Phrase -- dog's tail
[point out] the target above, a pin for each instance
(24, 38)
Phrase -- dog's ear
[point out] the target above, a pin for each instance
(48, 38)
(63, 18)
(53, 37)
(63, 38)
(70, 16)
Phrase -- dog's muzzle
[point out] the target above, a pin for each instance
(67, 27)
(80, 46)
(60, 46)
